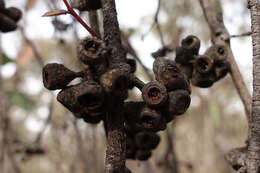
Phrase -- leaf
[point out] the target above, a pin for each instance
(21, 100)
(55, 13)
(6, 59)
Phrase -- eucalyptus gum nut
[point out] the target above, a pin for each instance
(57, 76)
(14, 13)
(150, 119)
(86, 5)
(221, 69)
(154, 94)
(189, 47)
(91, 95)
(203, 72)
(116, 82)
(67, 97)
(143, 154)
(191, 44)
(179, 102)
(7, 24)
(186, 69)
(203, 64)
(92, 51)
(217, 52)
(147, 140)
(203, 80)
(182, 57)
(167, 73)
(140, 117)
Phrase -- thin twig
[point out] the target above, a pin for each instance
(242, 35)
(156, 23)
(79, 19)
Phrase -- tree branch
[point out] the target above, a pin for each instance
(116, 143)
(213, 14)
(253, 155)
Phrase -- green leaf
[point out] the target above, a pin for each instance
(55, 13)
(21, 100)
(6, 59)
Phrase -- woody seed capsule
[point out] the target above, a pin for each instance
(147, 140)
(92, 51)
(189, 47)
(57, 76)
(217, 53)
(203, 75)
(221, 69)
(154, 94)
(167, 73)
(6, 23)
(14, 13)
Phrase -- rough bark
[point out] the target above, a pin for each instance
(253, 155)
(116, 143)
(213, 13)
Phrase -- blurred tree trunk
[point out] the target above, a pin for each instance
(4, 123)
(253, 156)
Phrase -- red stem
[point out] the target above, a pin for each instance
(79, 19)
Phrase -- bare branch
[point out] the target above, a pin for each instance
(213, 14)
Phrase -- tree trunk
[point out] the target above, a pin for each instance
(253, 156)
(114, 123)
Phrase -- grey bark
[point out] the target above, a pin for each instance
(253, 155)
(114, 123)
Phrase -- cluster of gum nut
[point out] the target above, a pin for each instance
(102, 82)
(9, 17)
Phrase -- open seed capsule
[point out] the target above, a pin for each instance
(57, 76)
(154, 94)
(92, 51)
(116, 82)
(140, 117)
(167, 73)
(203, 74)
(189, 47)
(217, 53)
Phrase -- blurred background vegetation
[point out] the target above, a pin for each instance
(44, 137)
